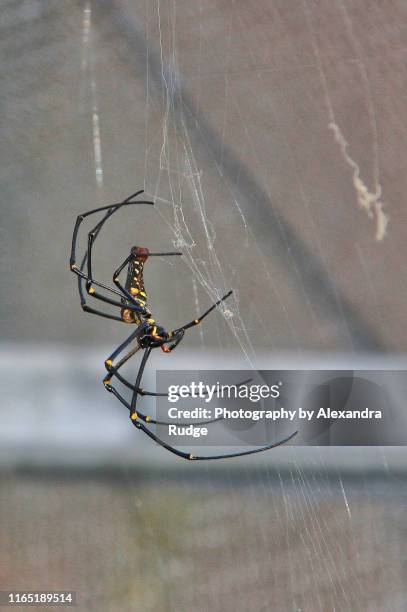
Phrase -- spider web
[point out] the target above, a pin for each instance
(175, 178)
(235, 179)
(239, 201)
(250, 156)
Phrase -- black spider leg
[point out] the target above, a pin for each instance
(133, 413)
(112, 372)
(82, 297)
(148, 419)
(117, 273)
(91, 238)
(199, 319)
(135, 334)
(190, 456)
(136, 422)
(137, 415)
(111, 209)
(81, 276)
(174, 339)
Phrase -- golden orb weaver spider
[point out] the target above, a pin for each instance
(132, 301)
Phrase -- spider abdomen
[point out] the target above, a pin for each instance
(135, 286)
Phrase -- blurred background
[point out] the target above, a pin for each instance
(271, 136)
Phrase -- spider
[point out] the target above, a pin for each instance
(131, 300)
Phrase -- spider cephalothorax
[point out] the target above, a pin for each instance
(131, 300)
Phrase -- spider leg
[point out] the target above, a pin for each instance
(109, 360)
(190, 456)
(205, 314)
(111, 209)
(90, 281)
(114, 371)
(134, 307)
(82, 297)
(116, 276)
(148, 419)
(134, 415)
(100, 313)
(137, 415)
(143, 364)
(175, 339)
(112, 389)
